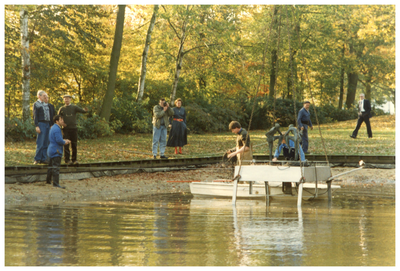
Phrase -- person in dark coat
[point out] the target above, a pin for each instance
(364, 113)
(68, 112)
(41, 116)
(303, 122)
(178, 134)
(52, 114)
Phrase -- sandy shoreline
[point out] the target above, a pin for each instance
(140, 184)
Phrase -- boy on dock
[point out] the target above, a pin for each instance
(243, 149)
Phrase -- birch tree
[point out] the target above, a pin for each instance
(26, 66)
(143, 69)
(179, 56)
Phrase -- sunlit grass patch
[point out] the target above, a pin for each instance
(119, 147)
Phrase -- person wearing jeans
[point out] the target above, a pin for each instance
(42, 118)
(161, 114)
(291, 144)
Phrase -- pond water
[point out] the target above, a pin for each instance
(179, 230)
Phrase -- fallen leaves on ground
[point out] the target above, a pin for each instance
(336, 138)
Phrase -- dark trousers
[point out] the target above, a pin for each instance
(71, 134)
(54, 170)
(304, 139)
(360, 120)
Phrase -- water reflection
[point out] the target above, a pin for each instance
(178, 230)
(275, 231)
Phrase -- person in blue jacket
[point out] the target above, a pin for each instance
(303, 122)
(55, 151)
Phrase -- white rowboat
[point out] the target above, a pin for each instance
(223, 189)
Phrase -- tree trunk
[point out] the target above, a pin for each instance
(179, 59)
(292, 80)
(368, 84)
(352, 79)
(274, 59)
(144, 56)
(108, 98)
(177, 73)
(272, 75)
(341, 90)
(26, 65)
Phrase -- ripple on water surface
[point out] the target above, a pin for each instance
(179, 230)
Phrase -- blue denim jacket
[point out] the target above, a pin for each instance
(57, 142)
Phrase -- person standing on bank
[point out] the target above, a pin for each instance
(364, 113)
(41, 116)
(303, 122)
(178, 134)
(243, 149)
(51, 109)
(55, 151)
(161, 114)
(52, 114)
(68, 112)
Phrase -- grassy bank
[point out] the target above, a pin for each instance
(138, 146)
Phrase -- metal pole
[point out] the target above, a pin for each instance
(329, 191)
(235, 184)
(343, 173)
(300, 196)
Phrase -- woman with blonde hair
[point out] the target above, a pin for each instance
(178, 134)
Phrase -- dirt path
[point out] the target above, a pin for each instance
(138, 184)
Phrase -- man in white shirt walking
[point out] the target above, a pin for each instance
(364, 113)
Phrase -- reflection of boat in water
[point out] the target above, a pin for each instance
(221, 188)
(256, 235)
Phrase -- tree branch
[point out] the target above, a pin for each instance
(172, 26)
(194, 48)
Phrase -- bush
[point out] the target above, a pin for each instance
(329, 113)
(210, 118)
(263, 117)
(93, 127)
(131, 116)
(378, 112)
(19, 130)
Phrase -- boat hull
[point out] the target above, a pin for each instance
(225, 189)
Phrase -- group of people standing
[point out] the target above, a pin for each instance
(55, 133)
(163, 117)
